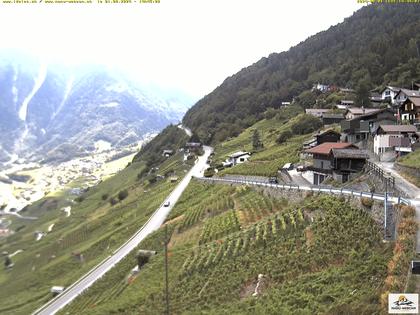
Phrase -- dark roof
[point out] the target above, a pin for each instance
(361, 117)
(392, 88)
(328, 131)
(398, 128)
(362, 111)
(412, 93)
(350, 154)
(338, 116)
(414, 100)
(326, 147)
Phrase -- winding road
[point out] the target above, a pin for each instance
(154, 222)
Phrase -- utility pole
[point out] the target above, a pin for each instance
(386, 204)
(166, 271)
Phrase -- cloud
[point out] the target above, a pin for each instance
(189, 44)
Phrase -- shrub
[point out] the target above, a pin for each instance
(122, 194)
(408, 212)
(367, 202)
(80, 199)
(284, 136)
(306, 124)
(104, 196)
(113, 201)
(209, 172)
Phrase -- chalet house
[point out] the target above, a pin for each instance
(344, 104)
(388, 94)
(317, 112)
(167, 153)
(403, 94)
(361, 127)
(331, 118)
(394, 138)
(354, 112)
(321, 87)
(375, 97)
(328, 135)
(339, 160)
(409, 111)
(346, 90)
(237, 158)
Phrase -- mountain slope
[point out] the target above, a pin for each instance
(55, 113)
(378, 45)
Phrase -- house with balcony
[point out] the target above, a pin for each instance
(394, 140)
(403, 94)
(409, 111)
(337, 160)
(360, 128)
(388, 94)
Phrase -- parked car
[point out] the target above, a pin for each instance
(273, 180)
(167, 204)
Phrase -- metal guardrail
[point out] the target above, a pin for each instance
(330, 190)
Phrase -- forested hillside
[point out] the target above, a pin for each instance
(378, 45)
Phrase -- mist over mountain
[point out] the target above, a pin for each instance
(53, 113)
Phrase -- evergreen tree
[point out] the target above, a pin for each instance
(362, 94)
(256, 140)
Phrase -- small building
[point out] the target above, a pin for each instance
(173, 179)
(317, 112)
(346, 162)
(346, 90)
(347, 103)
(403, 94)
(284, 104)
(394, 138)
(354, 112)
(238, 158)
(388, 94)
(375, 97)
(360, 128)
(321, 87)
(339, 160)
(328, 135)
(167, 153)
(409, 110)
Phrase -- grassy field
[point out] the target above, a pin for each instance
(411, 159)
(77, 242)
(265, 161)
(317, 256)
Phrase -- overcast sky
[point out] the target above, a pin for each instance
(188, 44)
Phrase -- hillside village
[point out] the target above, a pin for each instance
(383, 131)
(269, 204)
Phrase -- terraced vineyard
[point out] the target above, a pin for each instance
(318, 251)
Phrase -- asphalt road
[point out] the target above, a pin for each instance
(154, 222)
